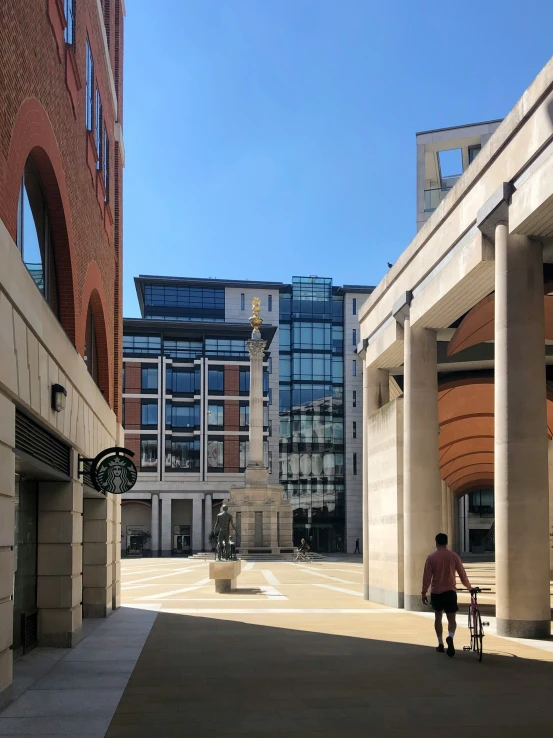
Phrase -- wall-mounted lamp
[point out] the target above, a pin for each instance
(59, 395)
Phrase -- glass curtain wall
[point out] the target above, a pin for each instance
(311, 432)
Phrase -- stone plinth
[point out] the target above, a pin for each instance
(265, 520)
(225, 574)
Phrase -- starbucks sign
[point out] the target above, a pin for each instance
(113, 470)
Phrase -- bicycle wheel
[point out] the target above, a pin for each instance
(478, 635)
(471, 628)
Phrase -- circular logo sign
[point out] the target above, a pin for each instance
(114, 473)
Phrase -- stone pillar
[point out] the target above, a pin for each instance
(376, 392)
(97, 557)
(445, 494)
(7, 529)
(197, 527)
(256, 463)
(60, 563)
(454, 507)
(208, 521)
(116, 556)
(550, 464)
(521, 473)
(422, 483)
(166, 526)
(154, 543)
(448, 516)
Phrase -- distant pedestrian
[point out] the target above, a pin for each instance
(357, 551)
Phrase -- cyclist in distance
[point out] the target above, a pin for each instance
(439, 574)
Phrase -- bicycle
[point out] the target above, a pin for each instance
(302, 556)
(476, 626)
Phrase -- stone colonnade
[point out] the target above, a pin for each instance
(425, 505)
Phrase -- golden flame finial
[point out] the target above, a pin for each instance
(255, 320)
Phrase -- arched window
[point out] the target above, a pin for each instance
(34, 235)
(91, 346)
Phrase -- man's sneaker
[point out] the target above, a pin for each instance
(440, 648)
(450, 646)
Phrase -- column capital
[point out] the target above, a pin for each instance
(256, 348)
(495, 210)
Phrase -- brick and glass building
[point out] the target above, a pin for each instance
(186, 407)
(61, 159)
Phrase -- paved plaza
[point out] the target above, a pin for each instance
(294, 650)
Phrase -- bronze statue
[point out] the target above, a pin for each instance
(222, 530)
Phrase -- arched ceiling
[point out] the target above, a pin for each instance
(466, 422)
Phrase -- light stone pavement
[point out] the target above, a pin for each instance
(294, 650)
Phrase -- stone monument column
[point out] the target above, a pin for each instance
(256, 471)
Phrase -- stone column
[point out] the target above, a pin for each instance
(422, 492)
(97, 557)
(208, 521)
(445, 495)
(197, 520)
(521, 473)
(166, 526)
(448, 515)
(7, 529)
(376, 392)
(154, 543)
(550, 464)
(116, 557)
(60, 563)
(256, 349)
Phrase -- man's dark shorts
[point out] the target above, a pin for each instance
(445, 601)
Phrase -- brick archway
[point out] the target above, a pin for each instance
(32, 135)
(94, 297)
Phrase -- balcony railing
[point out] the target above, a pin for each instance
(432, 198)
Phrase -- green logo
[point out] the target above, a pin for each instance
(115, 473)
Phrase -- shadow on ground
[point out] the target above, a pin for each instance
(200, 677)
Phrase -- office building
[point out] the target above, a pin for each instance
(61, 158)
(186, 384)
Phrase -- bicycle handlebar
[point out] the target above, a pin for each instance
(476, 589)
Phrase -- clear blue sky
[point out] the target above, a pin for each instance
(272, 138)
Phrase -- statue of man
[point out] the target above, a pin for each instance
(222, 528)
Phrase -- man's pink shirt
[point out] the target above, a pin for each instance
(440, 569)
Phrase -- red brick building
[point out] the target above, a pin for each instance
(61, 161)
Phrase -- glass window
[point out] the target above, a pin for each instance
(265, 380)
(180, 415)
(182, 455)
(242, 301)
(473, 152)
(284, 333)
(244, 416)
(244, 448)
(270, 396)
(149, 413)
(175, 302)
(270, 303)
(89, 103)
(215, 380)
(226, 347)
(34, 237)
(354, 368)
(215, 459)
(354, 431)
(270, 365)
(270, 462)
(337, 339)
(149, 378)
(266, 416)
(141, 345)
(148, 454)
(355, 463)
(284, 399)
(215, 415)
(354, 401)
(244, 379)
(91, 347)
(285, 368)
(98, 129)
(354, 337)
(181, 381)
(354, 306)
(69, 33)
(182, 349)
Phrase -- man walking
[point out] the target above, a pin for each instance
(439, 571)
(357, 551)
